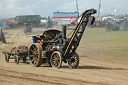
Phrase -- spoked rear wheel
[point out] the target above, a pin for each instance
(35, 55)
(56, 60)
(74, 61)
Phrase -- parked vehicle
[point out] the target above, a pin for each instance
(2, 37)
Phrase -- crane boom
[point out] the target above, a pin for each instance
(78, 32)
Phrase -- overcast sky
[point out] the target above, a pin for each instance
(12, 8)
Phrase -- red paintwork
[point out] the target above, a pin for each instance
(42, 41)
(73, 19)
(9, 22)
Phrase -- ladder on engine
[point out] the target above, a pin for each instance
(78, 32)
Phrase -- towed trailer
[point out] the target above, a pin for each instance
(16, 56)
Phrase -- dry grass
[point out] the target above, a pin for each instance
(109, 46)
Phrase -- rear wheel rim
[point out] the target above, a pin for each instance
(35, 55)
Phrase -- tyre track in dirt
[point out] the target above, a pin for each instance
(29, 79)
(43, 79)
(25, 76)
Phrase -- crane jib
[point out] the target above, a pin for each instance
(79, 30)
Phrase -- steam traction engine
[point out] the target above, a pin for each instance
(53, 47)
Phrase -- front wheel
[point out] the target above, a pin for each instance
(56, 60)
(74, 62)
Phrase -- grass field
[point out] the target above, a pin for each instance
(109, 46)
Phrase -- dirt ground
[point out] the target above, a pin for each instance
(97, 64)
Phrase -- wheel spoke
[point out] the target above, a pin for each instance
(35, 50)
(54, 56)
(54, 62)
(33, 47)
(35, 62)
(53, 59)
(36, 54)
(33, 59)
(32, 51)
(31, 55)
(74, 63)
(57, 64)
(58, 59)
